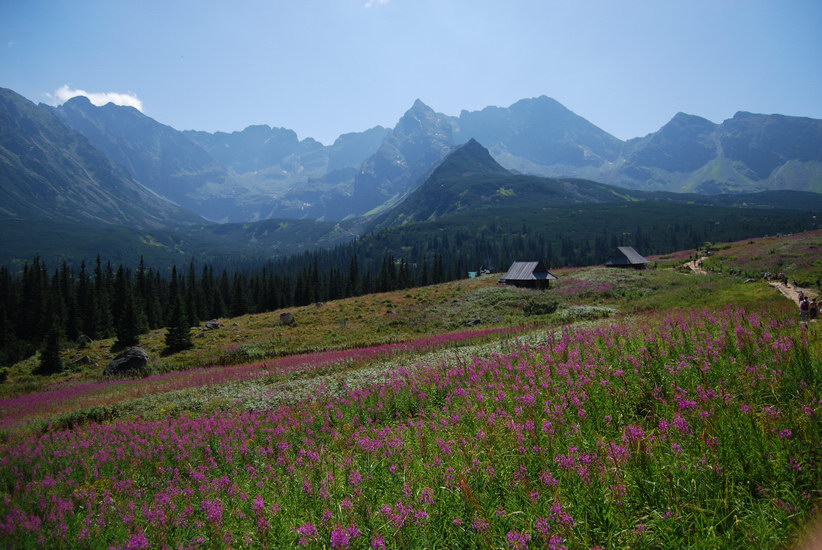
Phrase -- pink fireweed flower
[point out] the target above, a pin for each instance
(518, 540)
(259, 504)
(308, 530)
(548, 479)
(213, 510)
(340, 538)
(137, 542)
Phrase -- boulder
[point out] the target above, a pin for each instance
(84, 360)
(214, 324)
(131, 361)
(287, 319)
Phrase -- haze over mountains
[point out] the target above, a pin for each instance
(50, 172)
(263, 172)
(80, 164)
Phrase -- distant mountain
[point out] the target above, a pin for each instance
(49, 171)
(750, 152)
(156, 155)
(257, 173)
(539, 136)
(263, 172)
(418, 142)
(469, 178)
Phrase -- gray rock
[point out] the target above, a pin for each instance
(213, 324)
(472, 323)
(84, 360)
(287, 319)
(131, 361)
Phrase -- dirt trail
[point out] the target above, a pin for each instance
(792, 292)
(788, 291)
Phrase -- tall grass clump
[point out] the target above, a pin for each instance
(699, 429)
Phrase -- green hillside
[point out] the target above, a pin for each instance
(616, 409)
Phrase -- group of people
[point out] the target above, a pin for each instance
(808, 309)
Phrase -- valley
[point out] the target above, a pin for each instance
(394, 275)
(618, 408)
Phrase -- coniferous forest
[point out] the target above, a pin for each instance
(46, 307)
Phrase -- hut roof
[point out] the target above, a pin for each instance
(527, 271)
(627, 256)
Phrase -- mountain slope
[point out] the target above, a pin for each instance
(418, 142)
(257, 173)
(263, 172)
(49, 171)
(469, 178)
(156, 155)
(539, 136)
(749, 152)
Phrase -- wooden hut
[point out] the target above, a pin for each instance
(626, 256)
(528, 275)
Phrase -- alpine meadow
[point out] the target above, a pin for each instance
(410, 274)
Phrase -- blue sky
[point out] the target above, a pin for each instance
(325, 67)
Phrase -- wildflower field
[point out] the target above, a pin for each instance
(798, 256)
(648, 427)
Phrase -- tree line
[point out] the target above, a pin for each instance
(44, 309)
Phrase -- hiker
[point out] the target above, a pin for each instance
(813, 309)
(804, 308)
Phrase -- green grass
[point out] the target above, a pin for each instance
(619, 409)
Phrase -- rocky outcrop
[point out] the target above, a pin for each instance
(131, 361)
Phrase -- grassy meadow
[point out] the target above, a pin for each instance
(619, 409)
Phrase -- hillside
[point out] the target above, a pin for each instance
(749, 152)
(230, 244)
(254, 174)
(50, 172)
(470, 179)
(558, 417)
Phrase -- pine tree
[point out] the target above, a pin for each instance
(50, 362)
(128, 326)
(178, 330)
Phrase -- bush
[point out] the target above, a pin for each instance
(540, 308)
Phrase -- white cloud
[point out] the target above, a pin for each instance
(64, 93)
(372, 3)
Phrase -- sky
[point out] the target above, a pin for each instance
(327, 67)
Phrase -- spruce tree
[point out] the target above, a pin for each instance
(128, 325)
(178, 330)
(50, 362)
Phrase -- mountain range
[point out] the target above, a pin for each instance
(64, 169)
(263, 172)
(48, 171)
